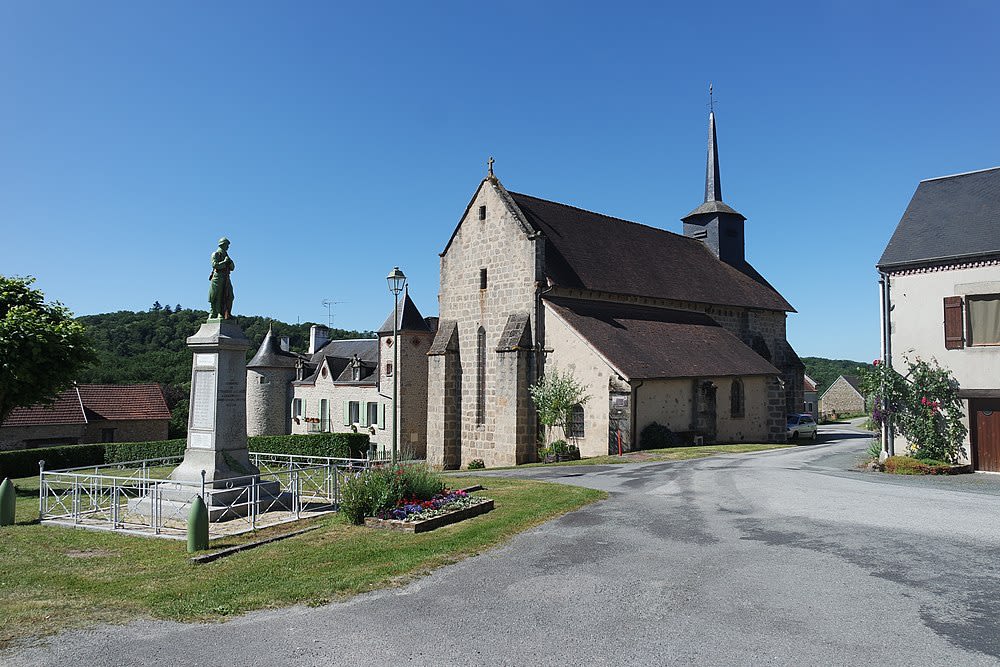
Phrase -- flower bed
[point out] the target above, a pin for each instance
(418, 516)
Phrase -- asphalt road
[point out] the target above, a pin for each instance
(784, 557)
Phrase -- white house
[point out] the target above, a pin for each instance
(940, 282)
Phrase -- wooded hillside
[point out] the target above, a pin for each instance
(825, 371)
(134, 347)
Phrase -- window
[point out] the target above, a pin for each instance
(984, 319)
(388, 369)
(736, 401)
(324, 415)
(353, 412)
(482, 212)
(356, 373)
(575, 427)
(482, 278)
(297, 407)
(373, 414)
(481, 377)
(107, 435)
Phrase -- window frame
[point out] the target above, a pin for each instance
(354, 412)
(970, 339)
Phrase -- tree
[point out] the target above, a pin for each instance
(42, 348)
(555, 395)
(157, 307)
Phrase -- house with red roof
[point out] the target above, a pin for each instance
(89, 413)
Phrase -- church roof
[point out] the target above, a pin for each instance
(647, 343)
(597, 252)
(87, 403)
(948, 218)
(408, 318)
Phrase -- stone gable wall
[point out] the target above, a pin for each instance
(500, 245)
(841, 398)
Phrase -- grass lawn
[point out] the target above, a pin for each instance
(54, 578)
(669, 454)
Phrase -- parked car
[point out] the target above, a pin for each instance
(801, 426)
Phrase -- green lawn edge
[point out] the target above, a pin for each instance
(55, 578)
(653, 455)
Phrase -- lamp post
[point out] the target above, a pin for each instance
(397, 281)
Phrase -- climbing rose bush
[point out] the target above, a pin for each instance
(922, 404)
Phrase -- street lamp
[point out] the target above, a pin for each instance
(397, 281)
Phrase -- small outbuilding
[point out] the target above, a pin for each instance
(843, 397)
(89, 413)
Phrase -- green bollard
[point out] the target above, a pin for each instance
(8, 502)
(197, 526)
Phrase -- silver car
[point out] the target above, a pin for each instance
(803, 426)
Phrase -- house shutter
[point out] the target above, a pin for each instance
(381, 415)
(363, 416)
(347, 414)
(954, 338)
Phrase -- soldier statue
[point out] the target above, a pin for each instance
(220, 291)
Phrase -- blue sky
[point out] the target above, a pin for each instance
(333, 141)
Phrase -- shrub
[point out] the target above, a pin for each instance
(419, 483)
(24, 462)
(364, 493)
(376, 490)
(476, 464)
(119, 452)
(657, 436)
(340, 445)
(907, 465)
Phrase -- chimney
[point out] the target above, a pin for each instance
(318, 335)
(286, 344)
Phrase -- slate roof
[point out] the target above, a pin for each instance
(365, 348)
(650, 343)
(408, 318)
(270, 354)
(948, 218)
(87, 403)
(597, 252)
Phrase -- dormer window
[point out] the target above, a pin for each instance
(356, 373)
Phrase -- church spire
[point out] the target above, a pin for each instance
(713, 182)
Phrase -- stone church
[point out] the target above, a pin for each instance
(677, 329)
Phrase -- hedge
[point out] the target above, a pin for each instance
(24, 462)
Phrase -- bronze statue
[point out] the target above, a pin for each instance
(220, 291)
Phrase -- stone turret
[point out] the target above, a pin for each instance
(415, 334)
(269, 389)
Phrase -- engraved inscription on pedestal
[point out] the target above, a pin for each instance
(203, 405)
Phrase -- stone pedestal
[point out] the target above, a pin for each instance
(217, 418)
(217, 432)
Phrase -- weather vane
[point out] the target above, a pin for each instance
(711, 100)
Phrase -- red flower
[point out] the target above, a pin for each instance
(875, 363)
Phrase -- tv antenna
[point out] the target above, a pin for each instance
(329, 311)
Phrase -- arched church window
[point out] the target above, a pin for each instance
(575, 427)
(736, 398)
(481, 376)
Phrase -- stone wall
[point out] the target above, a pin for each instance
(501, 246)
(412, 398)
(572, 354)
(131, 430)
(841, 398)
